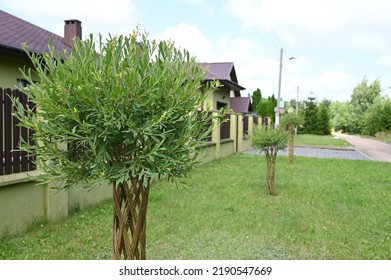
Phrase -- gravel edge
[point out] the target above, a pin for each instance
(323, 152)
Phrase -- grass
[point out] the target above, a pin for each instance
(380, 136)
(321, 141)
(325, 209)
(384, 136)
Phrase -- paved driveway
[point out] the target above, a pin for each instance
(374, 149)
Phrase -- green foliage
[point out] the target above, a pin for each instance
(316, 117)
(362, 98)
(324, 118)
(262, 106)
(310, 116)
(367, 112)
(256, 100)
(378, 117)
(126, 112)
(291, 121)
(269, 140)
(340, 115)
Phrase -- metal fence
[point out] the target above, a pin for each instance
(12, 159)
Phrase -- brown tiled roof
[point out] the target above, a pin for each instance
(15, 31)
(224, 72)
(241, 104)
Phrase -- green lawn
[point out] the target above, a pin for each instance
(325, 209)
(312, 140)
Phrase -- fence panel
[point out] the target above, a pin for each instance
(255, 120)
(225, 128)
(13, 160)
(245, 124)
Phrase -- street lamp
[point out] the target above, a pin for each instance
(277, 109)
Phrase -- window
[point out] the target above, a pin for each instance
(220, 105)
(22, 83)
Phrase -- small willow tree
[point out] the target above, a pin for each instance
(290, 122)
(123, 112)
(269, 141)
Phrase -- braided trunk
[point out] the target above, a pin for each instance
(130, 216)
(291, 145)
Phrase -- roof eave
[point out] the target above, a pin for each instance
(12, 51)
(228, 83)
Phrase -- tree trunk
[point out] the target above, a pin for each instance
(130, 216)
(291, 145)
(270, 174)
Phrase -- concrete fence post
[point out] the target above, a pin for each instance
(233, 129)
(239, 136)
(216, 133)
(250, 125)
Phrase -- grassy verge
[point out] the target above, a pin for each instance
(322, 141)
(384, 136)
(381, 136)
(325, 209)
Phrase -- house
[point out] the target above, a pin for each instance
(225, 73)
(14, 32)
(241, 105)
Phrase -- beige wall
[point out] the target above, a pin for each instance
(23, 202)
(20, 206)
(221, 95)
(9, 70)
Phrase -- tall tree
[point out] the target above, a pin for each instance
(324, 118)
(362, 98)
(127, 114)
(378, 116)
(256, 100)
(339, 112)
(310, 117)
(272, 104)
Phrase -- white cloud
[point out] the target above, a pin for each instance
(332, 24)
(331, 85)
(191, 38)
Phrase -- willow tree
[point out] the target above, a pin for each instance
(122, 110)
(269, 141)
(290, 122)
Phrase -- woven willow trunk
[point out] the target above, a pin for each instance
(130, 218)
(291, 145)
(270, 175)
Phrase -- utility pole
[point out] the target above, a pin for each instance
(277, 109)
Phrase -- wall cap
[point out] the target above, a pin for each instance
(11, 179)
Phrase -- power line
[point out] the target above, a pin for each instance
(271, 26)
(268, 45)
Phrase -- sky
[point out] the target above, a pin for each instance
(336, 43)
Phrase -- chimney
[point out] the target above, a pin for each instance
(72, 29)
